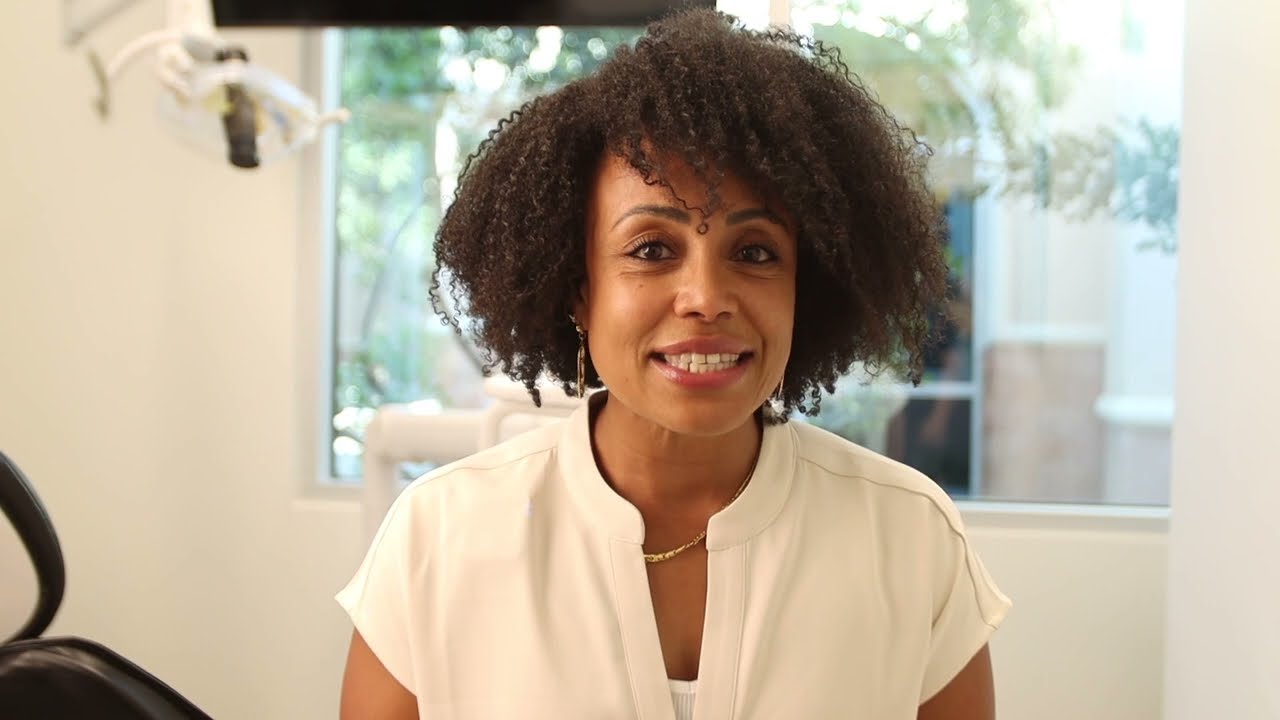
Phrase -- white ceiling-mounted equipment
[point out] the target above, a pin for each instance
(212, 95)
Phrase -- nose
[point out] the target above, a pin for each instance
(707, 289)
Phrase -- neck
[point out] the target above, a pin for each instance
(654, 468)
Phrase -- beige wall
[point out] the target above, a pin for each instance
(1224, 577)
(148, 373)
(151, 369)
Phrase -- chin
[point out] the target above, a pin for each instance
(703, 419)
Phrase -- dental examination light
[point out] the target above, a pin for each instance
(212, 95)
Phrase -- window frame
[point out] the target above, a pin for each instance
(317, 262)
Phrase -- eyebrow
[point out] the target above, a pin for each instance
(742, 216)
(663, 211)
(674, 213)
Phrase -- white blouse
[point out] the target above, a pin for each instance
(512, 584)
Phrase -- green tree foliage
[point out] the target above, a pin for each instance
(985, 79)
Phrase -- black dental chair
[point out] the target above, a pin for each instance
(66, 678)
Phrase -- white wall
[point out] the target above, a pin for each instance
(148, 377)
(1224, 576)
(152, 364)
(1085, 639)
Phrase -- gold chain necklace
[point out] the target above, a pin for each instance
(659, 557)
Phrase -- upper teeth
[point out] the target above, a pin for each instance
(700, 362)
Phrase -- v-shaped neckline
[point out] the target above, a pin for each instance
(728, 534)
(721, 633)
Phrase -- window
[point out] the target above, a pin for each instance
(1054, 125)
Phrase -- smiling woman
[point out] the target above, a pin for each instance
(713, 228)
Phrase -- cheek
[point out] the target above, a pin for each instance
(782, 307)
(620, 314)
(621, 303)
(782, 320)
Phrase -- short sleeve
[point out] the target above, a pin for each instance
(972, 607)
(377, 597)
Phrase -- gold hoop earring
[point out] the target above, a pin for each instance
(582, 356)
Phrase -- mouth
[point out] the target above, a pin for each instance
(703, 363)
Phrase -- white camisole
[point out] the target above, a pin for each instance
(682, 694)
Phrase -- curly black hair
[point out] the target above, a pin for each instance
(778, 110)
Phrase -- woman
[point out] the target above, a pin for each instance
(715, 226)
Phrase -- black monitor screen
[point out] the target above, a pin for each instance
(350, 13)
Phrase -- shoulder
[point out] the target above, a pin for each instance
(897, 511)
(832, 465)
(511, 471)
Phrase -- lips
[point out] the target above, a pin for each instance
(704, 376)
(706, 362)
(709, 345)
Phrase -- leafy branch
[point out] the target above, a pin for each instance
(977, 88)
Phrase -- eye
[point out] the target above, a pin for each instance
(651, 249)
(757, 254)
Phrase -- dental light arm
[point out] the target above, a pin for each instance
(212, 96)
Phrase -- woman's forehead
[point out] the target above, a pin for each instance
(618, 185)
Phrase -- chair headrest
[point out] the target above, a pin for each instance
(26, 513)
